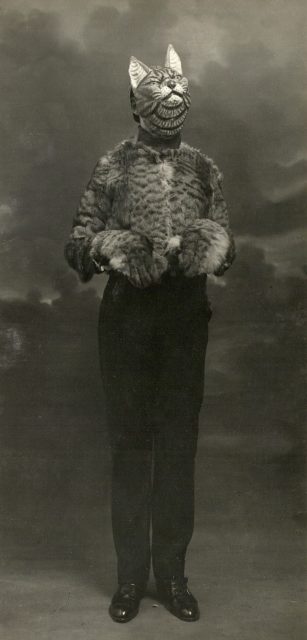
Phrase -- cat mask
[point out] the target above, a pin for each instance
(159, 96)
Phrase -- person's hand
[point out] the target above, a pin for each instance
(130, 254)
(143, 267)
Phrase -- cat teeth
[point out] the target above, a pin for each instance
(170, 113)
(167, 134)
(171, 107)
(168, 124)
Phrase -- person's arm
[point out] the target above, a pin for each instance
(218, 212)
(207, 243)
(91, 246)
(90, 219)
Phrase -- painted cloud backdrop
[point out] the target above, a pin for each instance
(64, 101)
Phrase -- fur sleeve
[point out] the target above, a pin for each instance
(219, 214)
(90, 219)
(207, 243)
(90, 244)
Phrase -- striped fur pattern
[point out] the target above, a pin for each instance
(143, 205)
(160, 95)
(204, 247)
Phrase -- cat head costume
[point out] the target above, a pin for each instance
(159, 96)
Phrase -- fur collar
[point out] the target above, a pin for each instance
(130, 147)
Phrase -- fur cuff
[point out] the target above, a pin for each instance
(106, 244)
(217, 250)
(205, 245)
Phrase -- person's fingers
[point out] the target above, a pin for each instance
(145, 263)
(144, 276)
(144, 270)
(188, 257)
(134, 277)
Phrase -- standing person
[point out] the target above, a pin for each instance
(153, 216)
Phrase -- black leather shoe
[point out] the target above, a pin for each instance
(177, 598)
(126, 601)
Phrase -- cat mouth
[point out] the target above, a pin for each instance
(175, 97)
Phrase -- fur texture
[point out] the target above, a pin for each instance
(131, 254)
(142, 205)
(204, 247)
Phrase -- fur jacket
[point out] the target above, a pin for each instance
(146, 211)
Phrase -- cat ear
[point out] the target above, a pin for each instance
(137, 71)
(172, 59)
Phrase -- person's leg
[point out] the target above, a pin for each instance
(125, 339)
(131, 504)
(184, 333)
(173, 511)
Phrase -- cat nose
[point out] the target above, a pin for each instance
(171, 84)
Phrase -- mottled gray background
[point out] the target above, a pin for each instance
(65, 101)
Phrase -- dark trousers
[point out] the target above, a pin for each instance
(152, 352)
